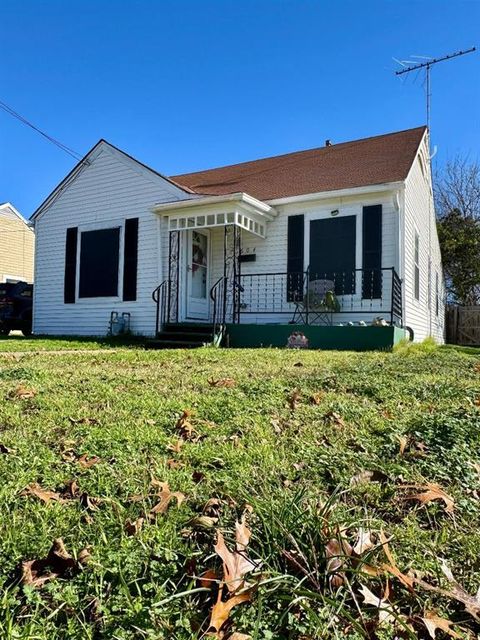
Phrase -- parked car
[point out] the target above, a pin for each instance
(16, 301)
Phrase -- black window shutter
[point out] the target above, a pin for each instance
(372, 252)
(295, 249)
(130, 259)
(70, 265)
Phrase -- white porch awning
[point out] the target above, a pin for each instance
(238, 209)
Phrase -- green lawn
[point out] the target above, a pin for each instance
(289, 445)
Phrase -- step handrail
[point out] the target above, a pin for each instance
(161, 297)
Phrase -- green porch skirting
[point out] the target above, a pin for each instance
(343, 338)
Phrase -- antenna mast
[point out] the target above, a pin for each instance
(427, 66)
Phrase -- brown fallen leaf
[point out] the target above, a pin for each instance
(334, 418)
(35, 490)
(294, 399)
(221, 611)
(385, 609)
(84, 420)
(316, 398)
(185, 428)
(22, 393)
(71, 489)
(57, 564)
(176, 447)
(336, 552)
(431, 491)
(403, 441)
(364, 541)
(133, 527)
(89, 503)
(222, 382)
(86, 462)
(241, 636)
(166, 496)
(392, 568)
(172, 463)
(4, 449)
(434, 622)
(368, 476)
(236, 564)
(208, 579)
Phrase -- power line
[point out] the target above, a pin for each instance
(57, 143)
(427, 66)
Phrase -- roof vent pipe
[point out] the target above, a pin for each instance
(328, 143)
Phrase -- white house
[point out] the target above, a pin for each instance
(259, 243)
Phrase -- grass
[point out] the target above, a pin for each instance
(264, 443)
(16, 342)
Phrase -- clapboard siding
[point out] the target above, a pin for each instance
(420, 216)
(103, 195)
(17, 243)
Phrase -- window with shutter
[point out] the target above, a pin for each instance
(295, 255)
(70, 278)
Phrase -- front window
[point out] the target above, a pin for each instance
(416, 285)
(99, 258)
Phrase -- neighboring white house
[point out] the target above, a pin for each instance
(243, 243)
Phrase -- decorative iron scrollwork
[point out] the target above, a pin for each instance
(231, 271)
(173, 275)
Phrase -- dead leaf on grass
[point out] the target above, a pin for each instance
(132, 527)
(5, 450)
(392, 568)
(208, 579)
(294, 399)
(364, 541)
(175, 448)
(403, 441)
(185, 427)
(221, 611)
(227, 383)
(22, 393)
(337, 551)
(434, 622)
(430, 492)
(172, 463)
(236, 564)
(385, 609)
(89, 503)
(316, 398)
(86, 462)
(57, 564)
(368, 476)
(84, 420)
(166, 496)
(334, 418)
(45, 495)
(239, 636)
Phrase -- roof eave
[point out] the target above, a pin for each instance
(338, 193)
(240, 197)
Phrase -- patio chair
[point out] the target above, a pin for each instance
(317, 305)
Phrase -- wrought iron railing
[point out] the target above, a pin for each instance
(218, 296)
(373, 292)
(161, 297)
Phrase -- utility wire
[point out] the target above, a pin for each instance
(57, 143)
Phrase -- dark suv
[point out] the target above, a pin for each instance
(16, 300)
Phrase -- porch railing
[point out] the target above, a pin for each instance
(161, 297)
(372, 292)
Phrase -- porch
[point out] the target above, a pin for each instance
(215, 283)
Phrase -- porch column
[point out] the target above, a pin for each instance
(231, 271)
(173, 275)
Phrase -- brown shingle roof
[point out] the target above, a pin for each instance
(385, 158)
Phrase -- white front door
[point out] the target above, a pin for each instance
(198, 275)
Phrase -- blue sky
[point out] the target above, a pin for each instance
(190, 84)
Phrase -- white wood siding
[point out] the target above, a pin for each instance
(104, 194)
(419, 216)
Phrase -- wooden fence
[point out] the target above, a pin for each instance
(463, 325)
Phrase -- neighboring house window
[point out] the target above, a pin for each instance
(416, 285)
(437, 294)
(99, 259)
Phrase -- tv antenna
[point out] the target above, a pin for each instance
(427, 65)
